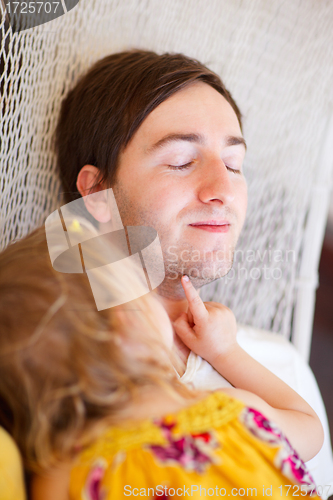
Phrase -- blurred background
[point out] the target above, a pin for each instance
(321, 360)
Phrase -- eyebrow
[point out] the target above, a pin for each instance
(197, 138)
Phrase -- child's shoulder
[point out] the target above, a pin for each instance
(251, 400)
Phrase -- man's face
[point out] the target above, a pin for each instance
(184, 166)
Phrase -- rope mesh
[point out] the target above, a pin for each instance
(277, 59)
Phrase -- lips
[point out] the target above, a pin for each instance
(211, 223)
(220, 226)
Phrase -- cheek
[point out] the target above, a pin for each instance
(242, 198)
(164, 199)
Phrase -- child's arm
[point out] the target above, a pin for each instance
(53, 486)
(209, 329)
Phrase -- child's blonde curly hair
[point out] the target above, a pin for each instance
(66, 369)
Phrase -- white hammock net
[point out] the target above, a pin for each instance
(277, 60)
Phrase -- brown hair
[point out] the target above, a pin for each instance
(66, 369)
(102, 112)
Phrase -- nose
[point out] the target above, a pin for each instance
(217, 182)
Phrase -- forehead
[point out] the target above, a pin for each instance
(198, 108)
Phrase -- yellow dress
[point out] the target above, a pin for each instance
(11, 470)
(216, 448)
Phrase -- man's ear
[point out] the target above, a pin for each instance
(96, 203)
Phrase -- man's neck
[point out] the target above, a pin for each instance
(174, 308)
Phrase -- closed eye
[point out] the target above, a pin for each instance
(180, 167)
(187, 165)
(234, 170)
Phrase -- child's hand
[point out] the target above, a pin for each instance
(208, 328)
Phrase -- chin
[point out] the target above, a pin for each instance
(199, 282)
(203, 275)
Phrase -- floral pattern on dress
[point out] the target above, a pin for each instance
(193, 452)
(287, 459)
(92, 488)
